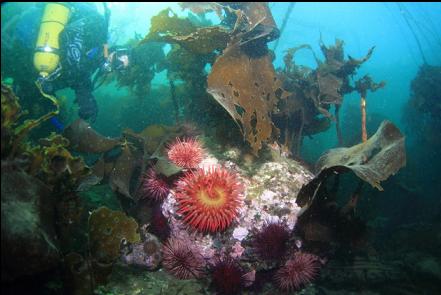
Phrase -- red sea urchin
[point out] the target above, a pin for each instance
(155, 185)
(297, 271)
(271, 242)
(209, 199)
(182, 259)
(186, 153)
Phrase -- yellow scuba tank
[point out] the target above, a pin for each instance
(46, 56)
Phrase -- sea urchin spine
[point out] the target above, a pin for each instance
(271, 242)
(155, 186)
(297, 271)
(228, 277)
(186, 153)
(182, 259)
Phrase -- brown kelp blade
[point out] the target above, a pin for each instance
(83, 138)
(372, 161)
(122, 172)
(246, 88)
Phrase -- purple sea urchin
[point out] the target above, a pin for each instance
(155, 186)
(182, 259)
(228, 277)
(297, 271)
(271, 242)
(159, 224)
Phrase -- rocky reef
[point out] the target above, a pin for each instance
(222, 206)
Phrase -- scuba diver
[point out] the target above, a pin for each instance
(71, 45)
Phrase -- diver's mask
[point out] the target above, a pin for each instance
(120, 59)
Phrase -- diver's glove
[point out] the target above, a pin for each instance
(106, 66)
(88, 106)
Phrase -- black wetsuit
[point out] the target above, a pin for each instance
(81, 54)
